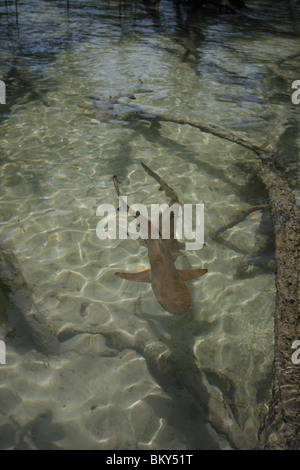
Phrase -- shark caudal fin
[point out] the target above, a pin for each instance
(170, 193)
(187, 274)
(143, 276)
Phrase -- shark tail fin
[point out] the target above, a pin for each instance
(143, 276)
(187, 274)
(170, 193)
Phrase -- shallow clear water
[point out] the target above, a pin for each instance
(58, 156)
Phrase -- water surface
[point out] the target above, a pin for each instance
(58, 156)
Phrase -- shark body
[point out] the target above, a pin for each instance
(167, 282)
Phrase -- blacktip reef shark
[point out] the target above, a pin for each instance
(167, 282)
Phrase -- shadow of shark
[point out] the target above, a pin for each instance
(167, 282)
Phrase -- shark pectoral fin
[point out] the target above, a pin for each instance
(187, 274)
(143, 276)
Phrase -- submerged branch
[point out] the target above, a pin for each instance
(211, 129)
(14, 285)
(182, 379)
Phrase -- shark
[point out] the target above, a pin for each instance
(168, 282)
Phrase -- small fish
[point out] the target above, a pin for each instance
(167, 282)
